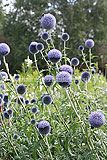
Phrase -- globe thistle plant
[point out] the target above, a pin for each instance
(44, 127)
(85, 76)
(33, 121)
(15, 136)
(74, 62)
(17, 77)
(33, 48)
(48, 21)
(21, 89)
(93, 71)
(5, 98)
(96, 119)
(65, 37)
(66, 68)
(3, 75)
(26, 101)
(34, 109)
(39, 46)
(54, 55)
(47, 99)
(10, 111)
(4, 49)
(33, 100)
(89, 43)
(81, 48)
(45, 36)
(48, 80)
(64, 79)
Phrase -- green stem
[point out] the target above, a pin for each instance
(65, 51)
(85, 60)
(36, 64)
(48, 148)
(90, 57)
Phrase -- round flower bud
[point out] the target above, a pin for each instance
(81, 48)
(32, 48)
(21, 89)
(5, 98)
(48, 21)
(4, 49)
(66, 68)
(15, 137)
(48, 80)
(85, 76)
(39, 46)
(45, 36)
(77, 81)
(64, 79)
(44, 127)
(3, 75)
(34, 109)
(33, 100)
(6, 115)
(54, 55)
(93, 71)
(21, 99)
(74, 62)
(10, 111)
(26, 101)
(33, 121)
(65, 37)
(47, 99)
(1, 95)
(89, 43)
(96, 119)
(17, 77)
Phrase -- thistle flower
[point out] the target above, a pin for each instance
(3, 86)
(48, 21)
(85, 76)
(96, 119)
(3, 75)
(15, 137)
(5, 98)
(33, 121)
(44, 127)
(34, 109)
(21, 99)
(77, 81)
(89, 43)
(93, 71)
(65, 37)
(54, 55)
(45, 36)
(32, 48)
(17, 77)
(81, 48)
(1, 95)
(10, 111)
(66, 68)
(48, 80)
(26, 101)
(21, 89)
(33, 100)
(47, 99)
(4, 49)
(6, 115)
(74, 62)
(39, 46)
(64, 79)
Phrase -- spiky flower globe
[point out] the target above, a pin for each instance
(54, 55)
(33, 100)
(66, 68)
(77, 81)
(34, 109)
(93, 71)
(65, 36)
(3, 75)
(15, 136)
(26, 101)
(45, 36)
(75, 61)
(48, 21)
(81, 48)
(10, 111)
(44, 127)
(4, 49)
(47, 99)
(5, 98)
(89, 43)
(48, 80)
(17, 77)
(39, 46)
(1, 95)
(64, 79)
(33, 121)
(21, 89)
(7, 114)
(96, 119)
(85, 76)
(33, 48)
(20, 100)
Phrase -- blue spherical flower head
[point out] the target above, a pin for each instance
(64, 79)
(7, 115)
(89, 43)
(15, 137)
(21, 89)
(5, 98)
(3, 86)
(21, 99)
(17, 77)
(54, 55)
(47, 99)
(10, 112)
(26, 101)
(93, 71)
(33, 48)
(45, 36)
(33, 121)
(48, 21)
(77, 81)
(34, 109)
(96, 119)
(74, 61)
(85, 76)
(44, 127)
(48, 80)
(4, 49)
(81, 48)
(66, 68)
(65, 36)
(1, 95)
(39, 46)
(33, 100)
(3, 75)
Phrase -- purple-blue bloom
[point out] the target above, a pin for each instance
(44, 127)
(89, 43)
(75, 61)
(54, 55)
(65, 36)
(85, 76)
(4, 49)
(48, 80)
(3, 75)
(66, 68)
(45, 36)
(21, 89)
(33, 48)
(47, 99)
(81, 48)
(39, 46)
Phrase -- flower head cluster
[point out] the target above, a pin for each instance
(96, 119)
(33, 100)
(39, 46)
(54, 55)
(3, 75)
(74, 62)
(33, 48)
(48, 21)
(45, 36)
(44, 127)
(47, 99)
(66, 68)
(85, 76)
(48, 80)
(8, 113)
(65, 36)
(81, 48)
(4, 49)
(21, 89)
(89, 43)
(64, 79)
